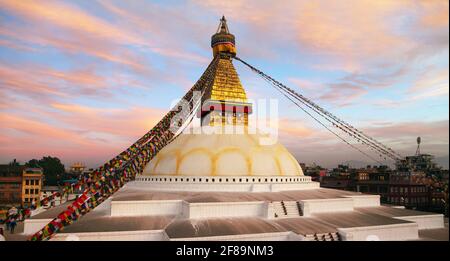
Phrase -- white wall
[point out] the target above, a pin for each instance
(312, 206)
(143, 235)
(276, 236)
(426, 221)
(408, 231)
(145, 208)
(360, 201)
(225, 209)
(226, 183)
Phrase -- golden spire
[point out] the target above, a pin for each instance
(225, 101)
(223, 41)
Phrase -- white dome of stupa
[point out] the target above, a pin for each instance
(223, 155)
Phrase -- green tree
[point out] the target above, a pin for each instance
(53, 168)
(34, 163)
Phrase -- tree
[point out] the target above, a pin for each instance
(52, 166)
(34, 163)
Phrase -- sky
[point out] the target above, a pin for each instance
(82, 80)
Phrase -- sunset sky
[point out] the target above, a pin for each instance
(82, 80)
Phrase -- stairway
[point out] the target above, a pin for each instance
(286, 209)
(278, 209)
(334, 236)
(291, 208)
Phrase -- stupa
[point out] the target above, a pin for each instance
(224, 186)
(222, 158)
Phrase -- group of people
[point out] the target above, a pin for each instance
(14, 216)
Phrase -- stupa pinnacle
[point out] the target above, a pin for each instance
(225, 101)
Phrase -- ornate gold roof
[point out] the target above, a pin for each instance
(227, 86)
(224, 101)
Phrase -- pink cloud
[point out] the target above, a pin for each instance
(73, 30)
(324, 148)
(351, 37)
(74, 132)
(69, 17)
(436, 13)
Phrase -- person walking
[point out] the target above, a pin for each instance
(12, 225)
(7, 223)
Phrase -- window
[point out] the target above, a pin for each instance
(27, 182)
(27, 191)
(37, 182)
(36, 191)
(32, 182)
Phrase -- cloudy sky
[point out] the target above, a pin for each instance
(81, 80)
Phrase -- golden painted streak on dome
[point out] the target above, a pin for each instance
(257, 148)
(296, 164)
(161, 156)
(213, 164)
(195, 150)
(277, 162)
(250, 137)
(158, 159)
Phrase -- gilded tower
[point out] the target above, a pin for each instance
(225, 101)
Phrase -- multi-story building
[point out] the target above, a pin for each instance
(11, 190)
(373, 180)
(409, 189)
(11, 183)
(31, 185)
(19, 185)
